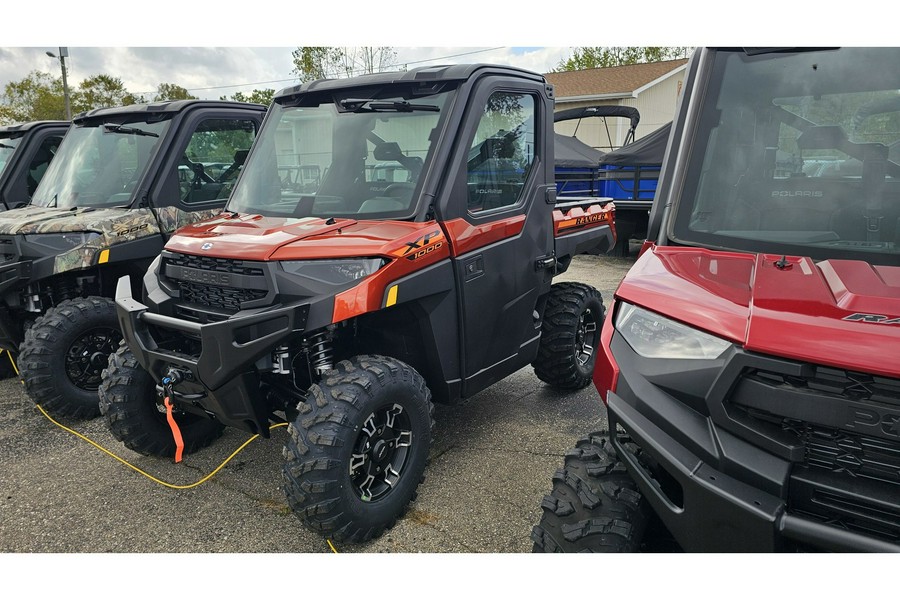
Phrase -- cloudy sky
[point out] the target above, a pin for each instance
(216, 48)
(212, 72)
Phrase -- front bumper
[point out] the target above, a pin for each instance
(717, 492)
(221, 380)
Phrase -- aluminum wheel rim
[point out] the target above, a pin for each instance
(585, 337)
(88, 355)
(381, 453)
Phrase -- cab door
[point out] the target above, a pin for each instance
(202, 165)
(500, 228)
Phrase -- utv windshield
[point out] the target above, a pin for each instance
(359, 157)
(798, 153)
(7, 148)
(99, 164)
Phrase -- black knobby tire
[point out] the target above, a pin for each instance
(136, 414)
(594, 506)
(570, 336)
(364, 416)
(62, 357)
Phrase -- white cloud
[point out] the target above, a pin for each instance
(211, 72)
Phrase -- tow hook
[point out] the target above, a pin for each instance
(172, 378)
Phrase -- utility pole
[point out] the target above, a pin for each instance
(63, 53)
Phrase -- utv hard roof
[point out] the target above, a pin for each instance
(432, 74)
(172, 106)
(23, 127)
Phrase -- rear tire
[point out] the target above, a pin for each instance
(357, 451)
(570, 336)
(594, 506)
(132, 406)
(63, 355)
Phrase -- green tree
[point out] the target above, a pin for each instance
(99, 91)
(593, 57)
(130, 99)
(38, 96)
(256, 96)
(171, 91)
(321, 62)
(316, 62)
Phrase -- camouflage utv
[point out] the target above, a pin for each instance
(26, 151)
(123, 179)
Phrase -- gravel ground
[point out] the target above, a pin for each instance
(491, 463)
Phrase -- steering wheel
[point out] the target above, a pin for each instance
(200, 175)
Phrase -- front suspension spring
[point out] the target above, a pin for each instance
(320, 352)
(64, 289)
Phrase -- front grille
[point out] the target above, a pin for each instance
(864, 507)
(227, 298)
(210, 263)
(845, 422)
(842, 451)
(846, 426)
(222, 284)
(836, 382)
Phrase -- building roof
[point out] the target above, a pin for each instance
(611, 81)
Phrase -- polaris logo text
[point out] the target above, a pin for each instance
(199, 276)
(799, 193)
(878, 319)
(864, 418)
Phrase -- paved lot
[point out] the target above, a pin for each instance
(491, 463)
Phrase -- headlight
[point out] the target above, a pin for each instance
(654, 336)
(62, 242)
(335, 272)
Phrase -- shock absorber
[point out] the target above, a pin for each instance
(320, 352)
(64, 289)
(38, 297)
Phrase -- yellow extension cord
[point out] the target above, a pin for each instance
(144, 473)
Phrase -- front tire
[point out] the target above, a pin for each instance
(570, 336)
(135, 413)
(595, 505)
(62, 357)
(358, 449)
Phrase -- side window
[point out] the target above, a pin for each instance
(502, 152)
(41, 161)
(213, 159)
